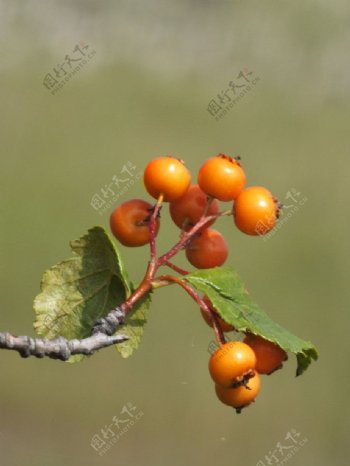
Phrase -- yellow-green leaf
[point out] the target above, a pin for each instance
(80, 290)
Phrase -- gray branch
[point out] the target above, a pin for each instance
(57, 348)
(61, 348)
(110, 322)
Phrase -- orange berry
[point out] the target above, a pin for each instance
(129, 222)
(255, 211)
(230, 362)
(222, 177)
(207, 250)
(241, 396)
(167, 176)
(269, 356)
(187, 210)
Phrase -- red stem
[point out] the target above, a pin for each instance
(207, 207)
(144, 288)
(176, 268)
(219, 334)
(146, 285)
(185, 237)
(153, 227)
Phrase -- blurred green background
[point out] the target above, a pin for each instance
(145, 93)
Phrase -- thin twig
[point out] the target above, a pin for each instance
(176, 268)
(219, 335)
(207, 206)
(153, 227)
(184, 239)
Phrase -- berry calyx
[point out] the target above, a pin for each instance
(222, 177)
(166, 176)
(241, 396)
(187, 210)
(129, 222)
(232, 364)
(255, 211)
(269, 356)
(207, 250)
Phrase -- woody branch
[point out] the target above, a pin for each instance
(102, 333)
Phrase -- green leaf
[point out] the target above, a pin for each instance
(80, 290)
(133, 328)
(227, 293)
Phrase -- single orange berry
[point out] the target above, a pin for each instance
(269, 356)
(255, 211)
(129, 222)
(232, 362)
(207, 250)
(241, 396)
(187, 210)
(225, 327)
(222, 177)
(166, 176)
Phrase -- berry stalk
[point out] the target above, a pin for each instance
(165, 280)
(153, 227)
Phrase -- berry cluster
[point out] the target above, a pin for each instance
(221, 178)
(236, 365)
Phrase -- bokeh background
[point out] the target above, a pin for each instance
(145, 92)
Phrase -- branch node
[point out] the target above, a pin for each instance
(110, 323)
